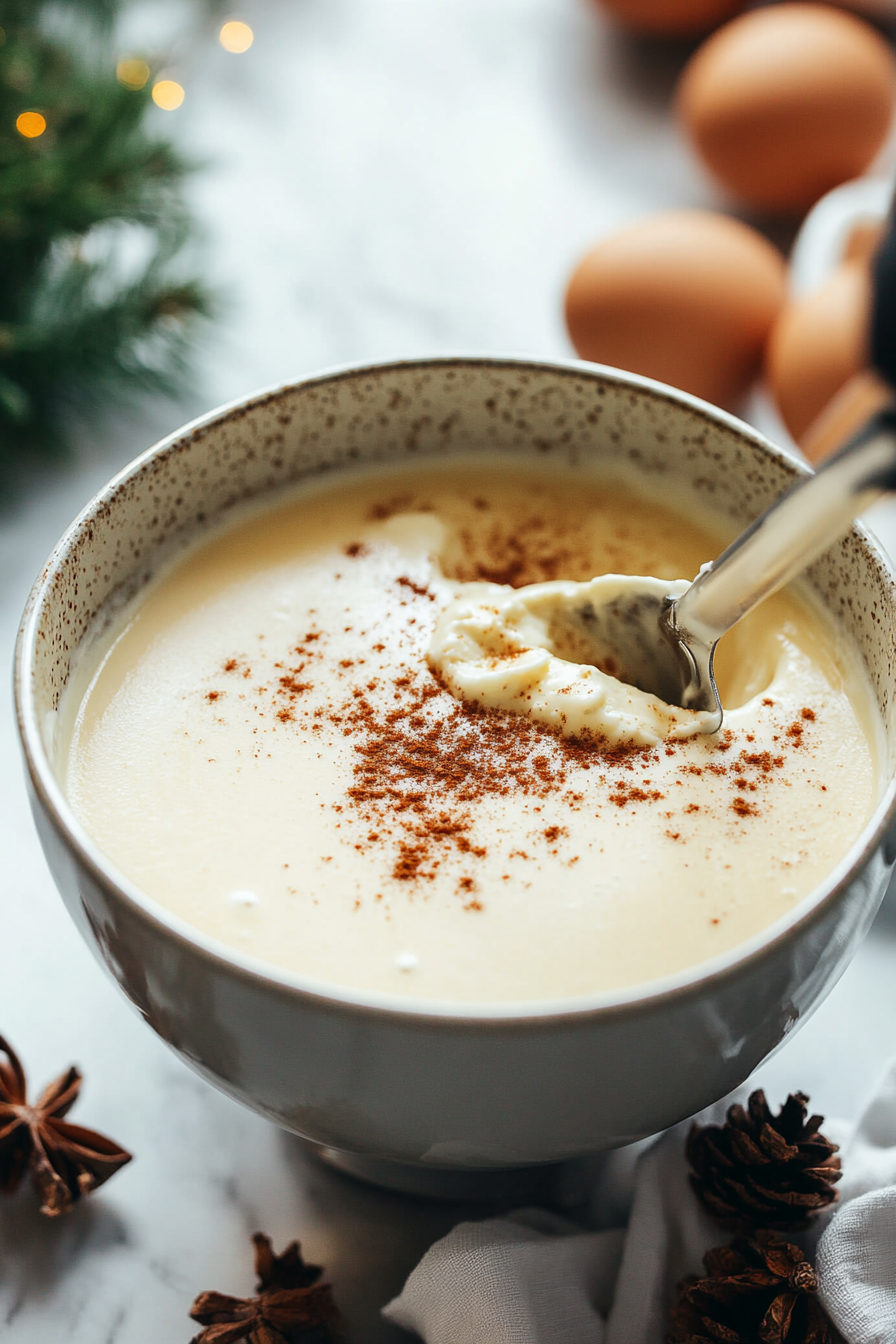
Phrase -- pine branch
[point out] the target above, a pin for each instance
(87, 348)
(80, 320)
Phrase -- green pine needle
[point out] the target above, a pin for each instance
(96, 303)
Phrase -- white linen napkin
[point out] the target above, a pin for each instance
(529, 1276)
(856, 1260)
(535, 1278)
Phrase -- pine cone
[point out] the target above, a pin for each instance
(760, 1170)
(759, 1291)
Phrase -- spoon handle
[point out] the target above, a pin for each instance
(793, 532)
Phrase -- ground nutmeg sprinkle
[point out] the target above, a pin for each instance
(300, 784)
(423, 764)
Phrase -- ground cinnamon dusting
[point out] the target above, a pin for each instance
(422, 764)
(743, 808)
(417, 588)
(423, 767)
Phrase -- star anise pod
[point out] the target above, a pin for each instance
(764, 1170)
(65, 1161)
(290, 1305)
(758, 1291)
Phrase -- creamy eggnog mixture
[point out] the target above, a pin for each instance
(346, 738)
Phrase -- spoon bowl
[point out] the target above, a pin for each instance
(621, 624)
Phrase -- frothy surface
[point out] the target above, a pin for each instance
(262, 747)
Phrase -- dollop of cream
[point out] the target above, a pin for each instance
(503, 648)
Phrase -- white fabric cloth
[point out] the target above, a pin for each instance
(856, 1261)
(527, 1277)
(535, 1278)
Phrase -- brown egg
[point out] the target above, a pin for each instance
(671, 18)
(818, 342)
(686, 296)
(845, 413)
(784, 103)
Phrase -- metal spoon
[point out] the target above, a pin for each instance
(665, 645)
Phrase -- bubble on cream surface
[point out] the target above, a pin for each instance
(245, 900)
(263, 724)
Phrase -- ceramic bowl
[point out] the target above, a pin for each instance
(405, 1090)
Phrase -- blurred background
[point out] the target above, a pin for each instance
(198, 202)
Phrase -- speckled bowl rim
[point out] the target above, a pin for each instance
(648, 996)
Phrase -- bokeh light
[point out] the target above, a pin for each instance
(132, 73)
(236, 36)
(168, 94)
(31, 124)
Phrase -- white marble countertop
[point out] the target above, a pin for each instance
(385, 178)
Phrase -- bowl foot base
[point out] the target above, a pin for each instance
(559, 1184)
